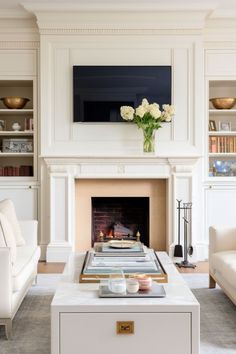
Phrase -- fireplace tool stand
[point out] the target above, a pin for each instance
(188, 250)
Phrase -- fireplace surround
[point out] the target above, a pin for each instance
(70, 227)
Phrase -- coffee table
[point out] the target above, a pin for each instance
(82, 323)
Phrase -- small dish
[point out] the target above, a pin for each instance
(121, 244)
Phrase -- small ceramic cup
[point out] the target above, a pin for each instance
(145, 282)
(132, 285)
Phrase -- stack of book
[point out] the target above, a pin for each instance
(222, 144)
(16, 171)
(100, 261)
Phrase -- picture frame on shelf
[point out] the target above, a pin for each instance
(212, 125)
(225, 126)
(2, 124)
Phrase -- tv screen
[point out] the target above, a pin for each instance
(100, 91)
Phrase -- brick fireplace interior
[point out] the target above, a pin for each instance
(120, 218)
(137, 204)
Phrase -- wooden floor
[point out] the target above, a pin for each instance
(43, 267)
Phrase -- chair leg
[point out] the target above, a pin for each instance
(212, 282)
(35, 280)
(8, 328)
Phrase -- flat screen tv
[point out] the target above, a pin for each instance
(100, 91)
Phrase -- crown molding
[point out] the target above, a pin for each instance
(148, 16)
(15, 14)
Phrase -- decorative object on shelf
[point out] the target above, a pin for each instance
(14, 102)
(188, 248)
(225, 126)
(212, 125)
(149, 118)
(2, 125)
(223, 102)
(17, 145)
(16, 126)
(220, 168)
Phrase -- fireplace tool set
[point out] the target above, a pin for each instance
(186, 210)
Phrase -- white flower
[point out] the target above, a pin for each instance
(167, 117)
(145, 103)
(127, 112)
(140, 111)
(154, 110)
(169, 109)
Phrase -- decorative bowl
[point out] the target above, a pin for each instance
(223, 102)
(14, 102)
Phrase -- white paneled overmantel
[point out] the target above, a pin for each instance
(117, 35)
(63, 172)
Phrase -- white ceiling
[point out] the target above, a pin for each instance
(221, 8)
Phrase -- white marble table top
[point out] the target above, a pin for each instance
(72, 296)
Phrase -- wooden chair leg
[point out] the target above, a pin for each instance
(212, 283)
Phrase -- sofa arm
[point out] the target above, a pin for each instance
(29, 229)
(5, 283)
(221, 239)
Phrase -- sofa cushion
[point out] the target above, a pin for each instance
(7, 238)
(26, 262)
(225, 264)
(7, 208)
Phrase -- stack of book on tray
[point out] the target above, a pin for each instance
(100, 261)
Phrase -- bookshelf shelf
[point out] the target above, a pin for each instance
(16, 111)
(222, 133)
(16, 154)
(14, 133)
(222, 112)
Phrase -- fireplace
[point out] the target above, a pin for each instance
(137, 204)
(120, 218)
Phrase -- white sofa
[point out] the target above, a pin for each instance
(222, 260)
(16, 279)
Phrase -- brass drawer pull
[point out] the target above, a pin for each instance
(125, 327)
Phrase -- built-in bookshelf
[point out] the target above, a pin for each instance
(17, 131)
(222, 132)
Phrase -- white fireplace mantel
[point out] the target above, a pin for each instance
(62, 173)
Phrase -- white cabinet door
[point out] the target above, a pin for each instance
(90, 333)
(25, 200)
(220, 207)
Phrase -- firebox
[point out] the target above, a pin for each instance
(120, 218)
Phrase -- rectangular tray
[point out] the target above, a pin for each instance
(161, 277)
(156, 291)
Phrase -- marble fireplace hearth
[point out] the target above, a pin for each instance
(71, 178)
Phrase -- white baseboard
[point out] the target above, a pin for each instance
(58, 252)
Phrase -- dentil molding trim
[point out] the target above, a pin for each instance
(19, 44)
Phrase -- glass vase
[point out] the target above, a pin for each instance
(148, 140)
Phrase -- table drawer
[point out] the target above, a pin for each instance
(89, 333)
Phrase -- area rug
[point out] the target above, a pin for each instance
(31, 326)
